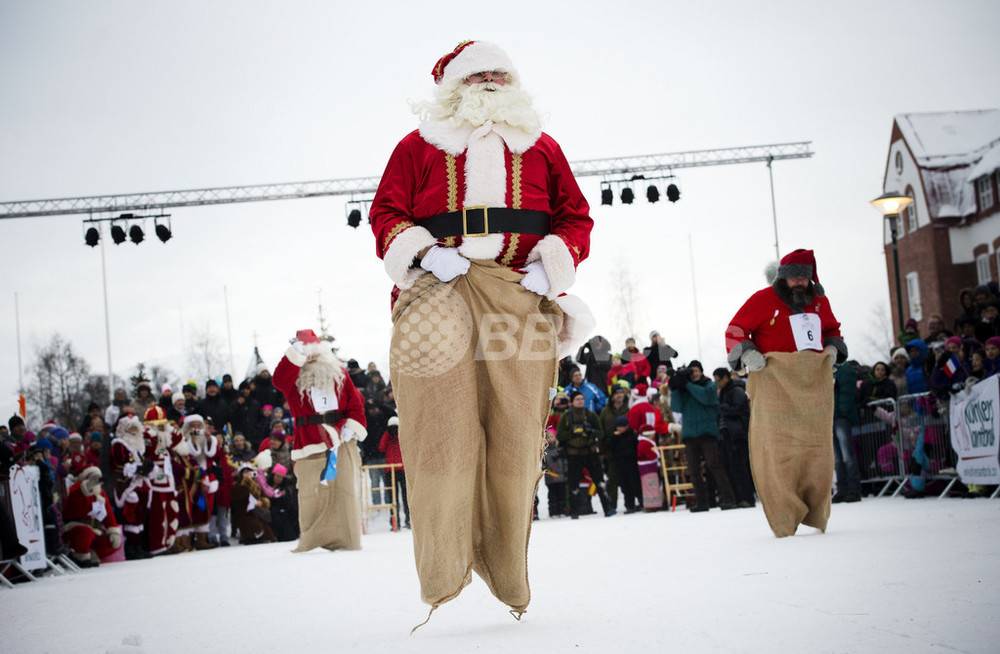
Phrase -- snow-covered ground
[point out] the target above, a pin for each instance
(890, 575)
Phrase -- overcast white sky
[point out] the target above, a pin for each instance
(122, 97)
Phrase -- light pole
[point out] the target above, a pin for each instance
(890, 205)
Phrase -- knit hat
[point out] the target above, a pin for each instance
(621, 421)
(280, 470)
(211, 382)
(995, 340)
(899, 352)
(59, 433)
(44, 444)
(471, 57)
(166, 388)
(953, 339)
(910, 323)
(695, 363)
(800, 263)
(96, 436)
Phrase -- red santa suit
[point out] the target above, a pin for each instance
(163, 521)
(472, 445)
(196, 473)
(131, 488)
(89, 525)
(642, 414)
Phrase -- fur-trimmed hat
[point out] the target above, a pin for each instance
(470, 57)
(800, 263)
(393, 422)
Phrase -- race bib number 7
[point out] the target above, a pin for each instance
(321, 401)
(806, 330)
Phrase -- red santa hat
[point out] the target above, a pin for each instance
(800, 263)
(471, 57)
(88, 473)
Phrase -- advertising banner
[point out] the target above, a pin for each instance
(26, 507)
(975, 432)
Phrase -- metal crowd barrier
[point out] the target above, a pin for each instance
(876, 446)
(925, 436)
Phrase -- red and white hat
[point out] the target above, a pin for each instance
(470, 57)
(800, 263)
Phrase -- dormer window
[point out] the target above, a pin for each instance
(984, 189)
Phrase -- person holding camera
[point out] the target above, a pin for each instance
(579, 431)
(696, 398)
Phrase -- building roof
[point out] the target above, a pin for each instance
(952, 148)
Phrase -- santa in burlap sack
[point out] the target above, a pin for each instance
(329, 415)
(481, 225)
(162, 522)
(788, 339)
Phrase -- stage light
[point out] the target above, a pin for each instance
(117, 234)
(673, 193)
(135, 233)
(607, 196)
(354, 218)
(92, 237)
(162, 231)
(627, 195)
(653, 194)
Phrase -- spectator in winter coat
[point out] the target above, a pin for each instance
(909, 333)
(393, 456)
(251, 509)
(594, 397)
(845, 416)
(284, 505)
(280, 450)
(992, 350)
(555, 465)
(989, 323)
(579, 431)
(93, 411)
(877, 385)
(696, 398)
(213, 406)
(595, 354)
(658, 353)
(622, 446)
(227, 391)
(242, 450)
(375, 386)
(143, 398)
(616, 406)
(734, 426)
(897, 371)
(916, 374)
(166, 397)
(243, 413)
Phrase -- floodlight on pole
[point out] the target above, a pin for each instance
(653, 193)
(135, 233)
(607, 195)
(118, 234)
(162, 230)
(673, 193)
(92, 236)
(627, 195)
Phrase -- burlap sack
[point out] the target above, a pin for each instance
(472, 361)
(329, 516)
(791, 439)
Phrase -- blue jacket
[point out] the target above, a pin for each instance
(594, 398)
(699, 405)
(916, 380)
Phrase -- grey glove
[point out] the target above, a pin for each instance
(753, 360)
(832, 351)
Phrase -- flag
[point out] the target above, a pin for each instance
(330, 471)
(951, 366)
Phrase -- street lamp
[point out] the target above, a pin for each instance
(890, 205)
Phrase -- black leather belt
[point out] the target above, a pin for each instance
(480, 221)
(328, 418)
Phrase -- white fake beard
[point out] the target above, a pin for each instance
(325, 373)
(477, 103)
(164, 436)
(130, 432)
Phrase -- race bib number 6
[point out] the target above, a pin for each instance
(806, 330)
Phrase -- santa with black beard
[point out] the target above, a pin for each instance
(788, 340)
(199, 481)
(481, 225)
(329, 416)
(162, 522)
(131, 485)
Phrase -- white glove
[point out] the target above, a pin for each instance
(115, 536)
(98, 511)
(535, 278)
(753, 360)
(129, 469)
(346, 434)
(299, 347)
(445, 263)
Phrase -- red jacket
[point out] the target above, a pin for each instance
(314, 439)
(763, 323)
(390, 445)
(644, 413)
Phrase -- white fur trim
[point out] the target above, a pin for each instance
(578, 323)
(359, 430)
(475, 58)
(558, 262)
(309, 450)
(453, 137)
(485, 169)
(517, 139)
(481, 247)
(295, 357)
(264, 460)
(399, 257)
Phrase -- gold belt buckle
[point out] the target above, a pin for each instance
(465, 224)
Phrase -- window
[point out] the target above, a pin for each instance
(899, 162)
(913, 294)
(983, 268)
(984, 187)
(910, 213)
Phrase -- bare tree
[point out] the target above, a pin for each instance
(59, 384)
(627, 298)
(878, 340)
(205, 356)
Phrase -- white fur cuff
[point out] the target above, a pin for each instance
(558, 262)
(399, 257)
(296, 358)
(359, 430)
(578, 323)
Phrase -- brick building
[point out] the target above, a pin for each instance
(949, 237)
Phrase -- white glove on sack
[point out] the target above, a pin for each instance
(445, 263)
(115, 536)
(346, 434)
(753, 360)
(535, 278)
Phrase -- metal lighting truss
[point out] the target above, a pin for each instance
(111, 204)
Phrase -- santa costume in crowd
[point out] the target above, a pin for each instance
(131, 494)
(162, 523)
(197, 474)
(89, 526)
(481, 225)
(329, 415)
(788, 339)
